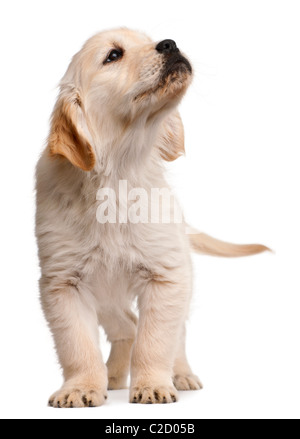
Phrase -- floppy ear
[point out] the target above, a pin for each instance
(171, 139)
(67, 137)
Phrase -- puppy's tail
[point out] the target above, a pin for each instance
(205, 244)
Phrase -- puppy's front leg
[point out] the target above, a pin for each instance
(162, 308)
(75, 329)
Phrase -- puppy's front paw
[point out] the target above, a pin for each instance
(187, 382)
(78, 397)
(153, 395)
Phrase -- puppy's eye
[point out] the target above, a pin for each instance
(114, 55)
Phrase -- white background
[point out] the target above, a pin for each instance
(239, 182)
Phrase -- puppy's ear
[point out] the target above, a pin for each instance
(171, 139)
(67, 138)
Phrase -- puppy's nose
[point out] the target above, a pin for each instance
(167, 47)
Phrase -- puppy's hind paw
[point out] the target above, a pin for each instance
(187, 382)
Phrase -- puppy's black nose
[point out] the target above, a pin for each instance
(167, 47)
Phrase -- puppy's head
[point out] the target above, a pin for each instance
(120, 79)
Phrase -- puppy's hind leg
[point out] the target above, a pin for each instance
(183, 377)
(120, 328)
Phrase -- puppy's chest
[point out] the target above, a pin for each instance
(116, 247)
(118, 225)
(121, 242)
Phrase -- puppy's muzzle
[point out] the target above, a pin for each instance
(174, 60)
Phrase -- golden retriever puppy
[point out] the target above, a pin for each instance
(114, 124)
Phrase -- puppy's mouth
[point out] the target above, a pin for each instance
(174, 77)
(176, 63)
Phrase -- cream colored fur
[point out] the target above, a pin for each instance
(114, 122)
